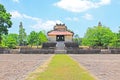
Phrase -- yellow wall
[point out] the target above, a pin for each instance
(68, 38)
(53, 38)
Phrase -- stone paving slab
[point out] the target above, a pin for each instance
(18, 66)
(104, 66)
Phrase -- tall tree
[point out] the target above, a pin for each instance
(98, 36)
(22, 35)
(42, 37)
(5, 21)
(33, 38)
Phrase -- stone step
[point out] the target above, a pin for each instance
(60, 45)
(60, 48)
(60, 51)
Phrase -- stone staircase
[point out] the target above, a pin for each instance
(60, 47)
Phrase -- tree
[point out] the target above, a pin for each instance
(116, 41)
(22, 35)
(33, 38)
(5, 21)
(37, 38)
(10, 40)
(98, 36)
(42, 37)
(4, 41)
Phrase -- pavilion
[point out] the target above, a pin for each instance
(60, 33)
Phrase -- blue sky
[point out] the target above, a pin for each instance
(78, 15)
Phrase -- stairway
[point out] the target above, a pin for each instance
(60, 47)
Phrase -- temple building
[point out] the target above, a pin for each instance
(60, 33)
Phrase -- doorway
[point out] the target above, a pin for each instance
(60, 38)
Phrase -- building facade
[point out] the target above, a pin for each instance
(60, 33)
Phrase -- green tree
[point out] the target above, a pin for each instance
(10, 40)
(5, 21)
(98, 36)
(37, 38)
(22, 35)
(33, 38)
(42, 37)
(4, 41)
(116, 41)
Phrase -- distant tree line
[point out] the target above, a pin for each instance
(22, 39)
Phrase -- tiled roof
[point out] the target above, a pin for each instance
(54, 33)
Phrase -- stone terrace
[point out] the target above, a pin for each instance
(18, 66)
(104, 66)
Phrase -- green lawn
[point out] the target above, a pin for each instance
(62, 67)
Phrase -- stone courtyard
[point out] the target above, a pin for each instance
(103, 66)
(18, 66)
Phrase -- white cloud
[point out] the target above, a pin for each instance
(40, 24)
(30, 17)
(17, 1)
(16, 14)
(72, 19)
(47, 25)
(80, 5)
(88, 16)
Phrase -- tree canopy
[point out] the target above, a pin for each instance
(98, 36)
(33, 38)
(116, 40)
(37, 38)
(5, 21)
(42, 37)
(10, 40)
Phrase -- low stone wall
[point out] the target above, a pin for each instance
(47, 48)
(82, 51)
(115, 51)
(36, 51)
(4, 50)
(49, 45)
(71, 45)
(29, 50)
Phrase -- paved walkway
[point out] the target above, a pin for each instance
(104, 66)
(18, 66)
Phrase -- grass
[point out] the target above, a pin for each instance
(62, 67)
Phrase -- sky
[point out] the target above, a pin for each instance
(77, 15)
